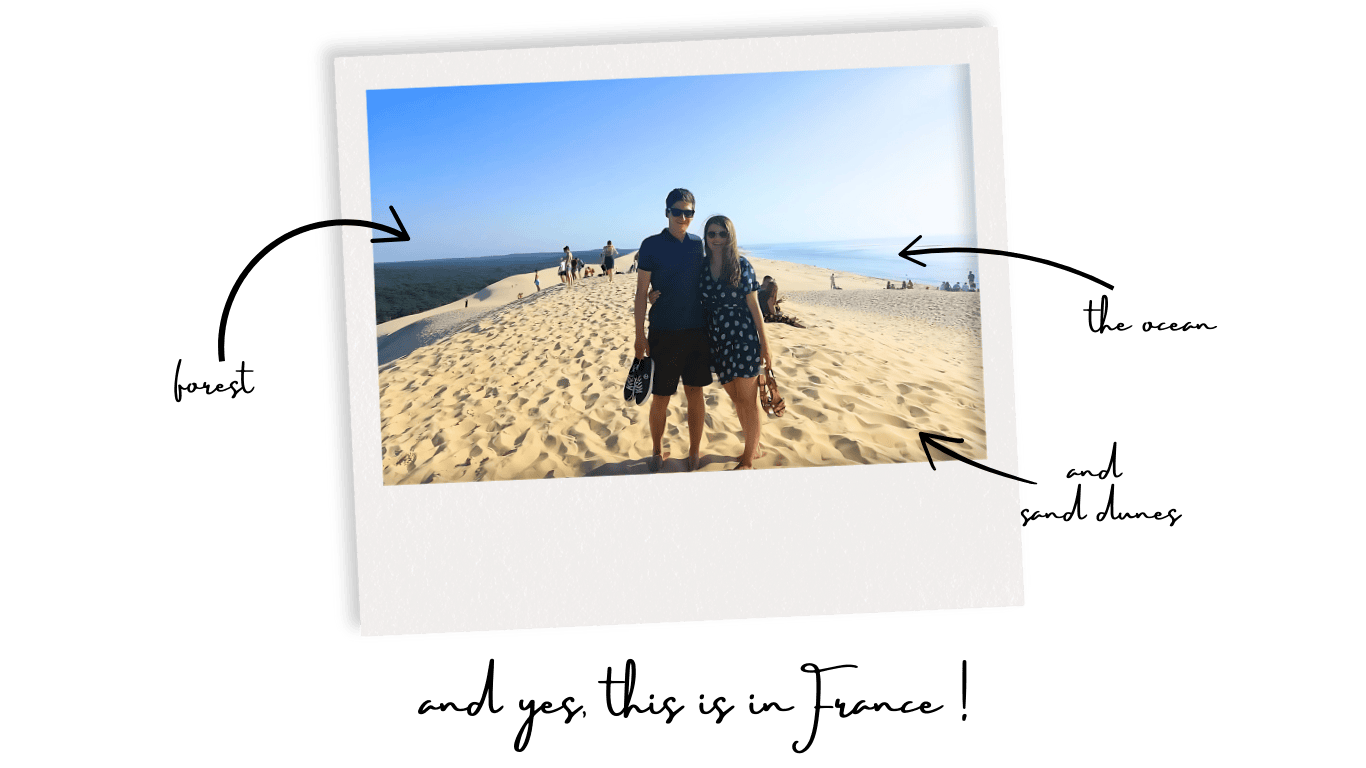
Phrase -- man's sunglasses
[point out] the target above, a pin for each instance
(676, 212)
(722, 235)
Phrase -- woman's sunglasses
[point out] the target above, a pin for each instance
(722, 235)
(676, 212)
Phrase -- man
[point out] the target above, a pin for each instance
(671, 263)
(566, 268)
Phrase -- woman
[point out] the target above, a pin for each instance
(768, 305)
(609, 257)
(735, 327)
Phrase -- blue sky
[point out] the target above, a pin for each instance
(789, 156)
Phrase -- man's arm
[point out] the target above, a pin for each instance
(642, 290)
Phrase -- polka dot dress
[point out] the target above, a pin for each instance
(734, 339)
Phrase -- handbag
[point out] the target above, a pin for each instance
(769, 399)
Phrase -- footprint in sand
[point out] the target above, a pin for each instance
(811, 413)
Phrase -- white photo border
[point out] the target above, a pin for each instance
(574, 552)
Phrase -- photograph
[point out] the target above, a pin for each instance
(675, 274)
(636, 270)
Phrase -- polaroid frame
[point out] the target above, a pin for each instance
(573, 552)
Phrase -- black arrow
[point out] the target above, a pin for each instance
(929, 438)
(399, 235)
(905, 254)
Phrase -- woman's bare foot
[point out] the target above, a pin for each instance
(694, 462)
(742, 466)
(656, 461)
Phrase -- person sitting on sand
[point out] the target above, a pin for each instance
(768, 305)
(672, 262)
(566, 263)
(735, 328)
(609, 259)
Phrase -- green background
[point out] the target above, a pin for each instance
(168, 566)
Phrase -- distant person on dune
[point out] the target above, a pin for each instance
(609, 260)
(768, 305)
(537, 279)
(566, 267)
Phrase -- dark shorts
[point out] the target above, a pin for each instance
(678, 355)
(607, 262)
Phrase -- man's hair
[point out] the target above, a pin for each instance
(679, 196)
(566, 248)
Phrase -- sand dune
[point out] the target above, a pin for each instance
(402, 335)
(531, 388)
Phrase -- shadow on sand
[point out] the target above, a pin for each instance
(642, 466)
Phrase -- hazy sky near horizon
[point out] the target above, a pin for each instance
(788, 156)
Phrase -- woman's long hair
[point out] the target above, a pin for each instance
(730, 252)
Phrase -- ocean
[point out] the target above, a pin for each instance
(878, 258)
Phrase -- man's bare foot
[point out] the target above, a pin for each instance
(656, 461)
(742, 466)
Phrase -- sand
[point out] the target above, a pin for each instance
(532, 388)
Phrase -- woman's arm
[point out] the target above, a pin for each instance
(752, 300)
(642, 346)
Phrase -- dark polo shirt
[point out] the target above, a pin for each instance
(676, 272)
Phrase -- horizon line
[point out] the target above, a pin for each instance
(624, 252)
